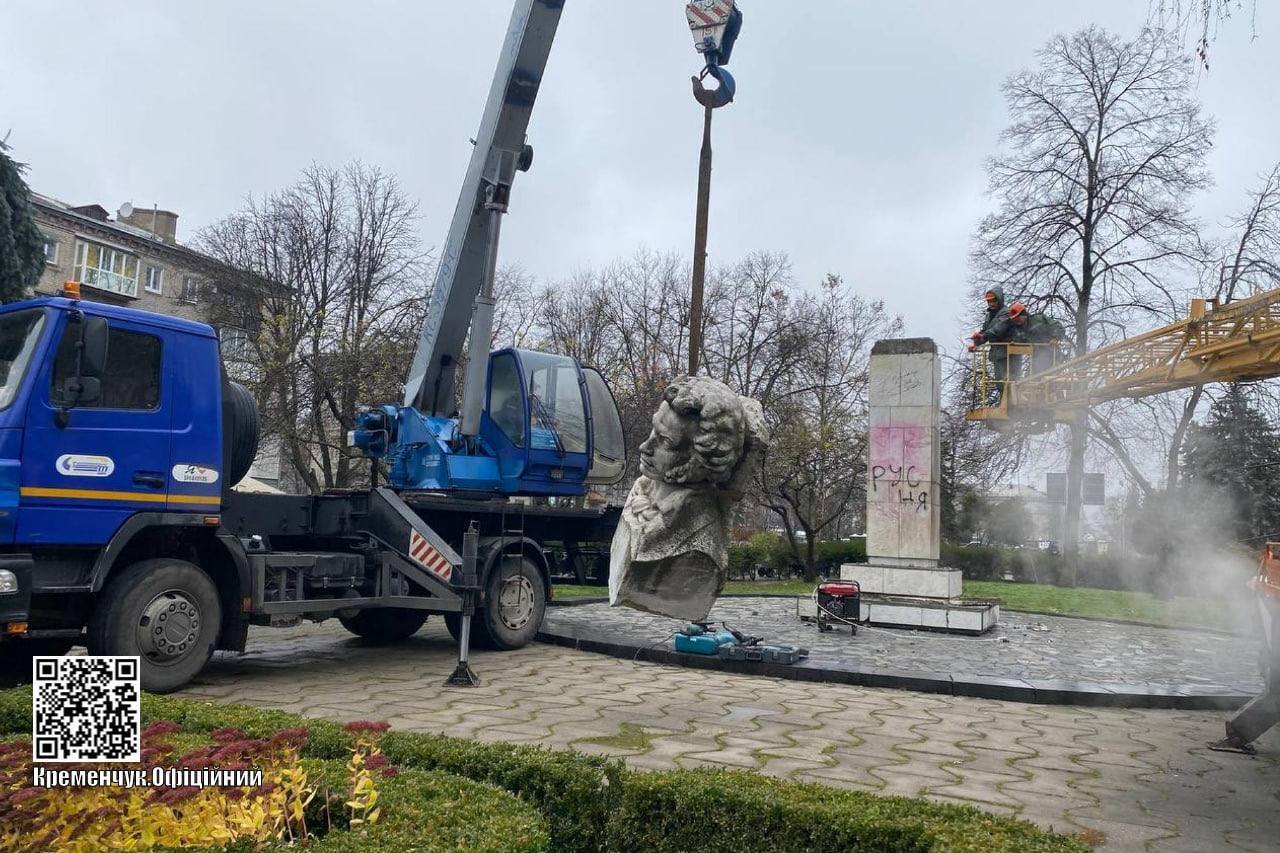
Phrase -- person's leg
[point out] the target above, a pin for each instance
(999, 357)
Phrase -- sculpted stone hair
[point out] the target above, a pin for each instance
(717, 444)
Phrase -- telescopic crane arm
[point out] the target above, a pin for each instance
(462, 295)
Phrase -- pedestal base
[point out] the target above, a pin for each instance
(957, 616)
(909, 581)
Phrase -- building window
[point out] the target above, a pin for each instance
(105, 268)
(50, 250)
(190, 290)
(154, 281)
(236, 344)
(131, 379)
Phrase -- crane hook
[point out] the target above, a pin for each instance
(715, 25)
(718, 97)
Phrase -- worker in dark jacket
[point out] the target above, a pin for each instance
(997, 332)
(1041, 330)
(997, 315)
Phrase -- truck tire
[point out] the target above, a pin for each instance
(165, 611)
(385, 624)
(514, 603)
(242, 427)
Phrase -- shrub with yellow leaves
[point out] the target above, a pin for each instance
(121, 818)
(366, 756)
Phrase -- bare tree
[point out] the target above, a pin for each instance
(753, 336)
(518, 308)
(815, 470)
(574, 321)
(339, 323)
(1106, 145)
(1201, 17)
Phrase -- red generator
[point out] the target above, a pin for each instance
(839, 603)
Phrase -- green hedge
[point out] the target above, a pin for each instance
(430, 811)
(771, 552)
(733, 811)
(592, 803)
(1028, 565)
(574, 792)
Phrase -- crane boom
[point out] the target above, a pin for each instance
(1214, 343)
(1226, 343)
(470, 249)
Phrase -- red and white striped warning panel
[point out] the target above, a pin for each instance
(703, 14)
(428, 557)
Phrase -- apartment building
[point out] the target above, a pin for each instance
(135, 259)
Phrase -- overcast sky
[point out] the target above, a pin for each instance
(856, 144)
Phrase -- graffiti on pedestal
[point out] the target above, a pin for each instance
(899, 465)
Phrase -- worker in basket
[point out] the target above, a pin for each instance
(997, 333)
(1040, 330)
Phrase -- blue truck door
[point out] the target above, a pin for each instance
(196, 473)
(81, 481)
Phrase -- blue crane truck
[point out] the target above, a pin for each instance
(121, 437)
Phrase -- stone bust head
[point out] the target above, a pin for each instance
(671, 548)
(698, 435)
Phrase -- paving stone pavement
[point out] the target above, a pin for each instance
(1143, 778)
(1021, 646)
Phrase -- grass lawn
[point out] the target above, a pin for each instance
(1109, 604)
(1067, 601)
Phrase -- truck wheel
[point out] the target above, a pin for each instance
(166, 612)
(385, 624)
(514, 603)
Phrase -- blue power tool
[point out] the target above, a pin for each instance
(701, 640)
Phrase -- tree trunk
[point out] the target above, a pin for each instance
(811, 557)
(1075, 479)
(1179, 435)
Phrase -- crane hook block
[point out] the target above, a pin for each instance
(715, 25)
(714, 98)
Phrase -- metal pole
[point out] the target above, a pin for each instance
(700, 243)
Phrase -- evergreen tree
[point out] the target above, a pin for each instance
(21, 244)
(1236, 454)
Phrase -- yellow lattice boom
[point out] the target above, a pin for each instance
(1237, 341)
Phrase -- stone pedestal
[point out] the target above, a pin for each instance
(902, 583)
(904, 525)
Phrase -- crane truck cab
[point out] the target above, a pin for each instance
(549, 427)
(112, 457)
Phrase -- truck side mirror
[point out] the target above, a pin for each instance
(91, 362)
(93, 347)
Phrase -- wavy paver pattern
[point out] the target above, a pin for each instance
(1143, 778)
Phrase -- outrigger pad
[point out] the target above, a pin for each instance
(462, 677)
(1250, 723)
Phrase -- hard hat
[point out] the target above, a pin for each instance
(1016, 310)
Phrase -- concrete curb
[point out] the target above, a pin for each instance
(1183, 697)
